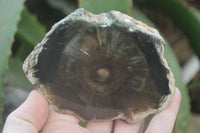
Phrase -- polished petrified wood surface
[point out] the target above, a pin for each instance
(101, 67)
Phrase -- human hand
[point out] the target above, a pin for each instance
(34, 116)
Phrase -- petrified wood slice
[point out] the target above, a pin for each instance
(101, 67)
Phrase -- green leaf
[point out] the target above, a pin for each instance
(9, 16)
(15, 75)
(186, 17)
(184, 112)
(30, 29)
(30, 32)
(100, 6)
(183, 117)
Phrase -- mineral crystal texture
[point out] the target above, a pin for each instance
(102, 67)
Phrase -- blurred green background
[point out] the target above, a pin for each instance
(23, 24)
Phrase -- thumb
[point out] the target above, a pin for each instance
(29, 117)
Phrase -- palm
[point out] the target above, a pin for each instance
(67, 123)
(34, 116)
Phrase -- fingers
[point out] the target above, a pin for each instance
(124, 127)
(62, 123)
(164, 121)
(29, 117)
(100, 126)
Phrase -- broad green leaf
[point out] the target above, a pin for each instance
(184, 112)
(183, 117)
(186, 17)
(9, 16)
(100, 6)
(29, 28)
(15, 75)
(30, 32)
